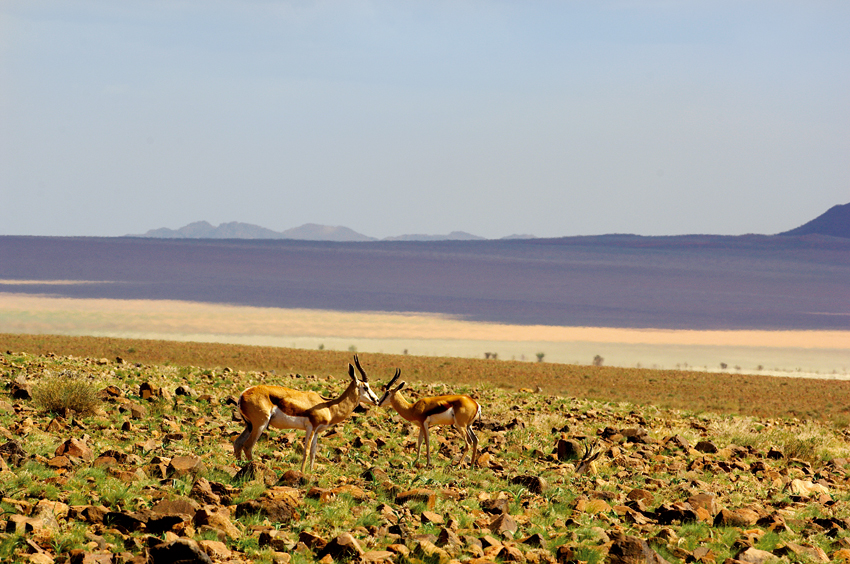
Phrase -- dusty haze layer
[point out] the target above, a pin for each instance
(824, 354)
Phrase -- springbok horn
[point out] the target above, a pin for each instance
(391, 382)
(360, 369)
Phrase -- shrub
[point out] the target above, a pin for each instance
(67, 391)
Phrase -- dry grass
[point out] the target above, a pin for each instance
(751, 395)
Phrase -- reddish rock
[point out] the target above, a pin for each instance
(180, 550)
(345, 546)
(75, 448)
(632, 550)
(429, 497)
(184, 465)
(504, 525)
(534, 484)
(736, 518)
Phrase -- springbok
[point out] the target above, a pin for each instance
(283, 408)
(456, 410)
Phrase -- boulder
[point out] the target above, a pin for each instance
(534, 484)
(180, 466)
(343, 547)
(76, 448)
(632, 550)
(182, 550)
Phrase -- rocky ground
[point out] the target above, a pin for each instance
(150, 476)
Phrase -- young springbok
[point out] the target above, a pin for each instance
(283, 408)
(456, 410)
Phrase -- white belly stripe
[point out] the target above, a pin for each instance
(280, 420)
(446, 417)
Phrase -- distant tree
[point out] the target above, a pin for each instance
(352, 348)
(322, 347)
(540, 356)
(723, 365)
(598, 360)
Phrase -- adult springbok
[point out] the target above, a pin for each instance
(456, 410)
(283, 408)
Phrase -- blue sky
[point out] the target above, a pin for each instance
(496, 118)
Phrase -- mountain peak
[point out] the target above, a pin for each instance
(835, 222)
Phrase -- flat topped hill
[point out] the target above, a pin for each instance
(689, 282)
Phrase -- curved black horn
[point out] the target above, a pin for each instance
(391, 382)
(360, 369)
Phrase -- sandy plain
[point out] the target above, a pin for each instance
(818, 354)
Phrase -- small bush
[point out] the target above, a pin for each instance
(67, 391)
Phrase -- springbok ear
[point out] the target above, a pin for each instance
(351, 372)
(400, 386)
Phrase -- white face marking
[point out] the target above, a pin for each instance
(367, 395)
(280, 420)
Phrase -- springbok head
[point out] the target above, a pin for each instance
(363, 388)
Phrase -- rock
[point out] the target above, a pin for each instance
(635, 435)
(256, 471)
(641, 495)
(448, 539)
(216, 550)
(83, 557)
(137, 411)
(667, 514)
(275, 504)
(802, 553)
(217, 518)
(378, 556)
(429, 552)
(126, 521)
(568, 449)
(504, 525)
(203, 492)
(148, 391)
(565, 554)
(632, 550)
(534, 484)
(423, 495)
(495, 506)
(536, 540)
(373, 474)
(343, 547)
(756, 556)
(806, 488)
(21, 389)
(185, 551)
(312, 541)
(430, 517)
(182, 506)
(706, 447)
(184, 465)
(13, 453)
(705, 500)
(775, 454)
(511, 554)
(737, 518)
(292, 479)
(75, 448)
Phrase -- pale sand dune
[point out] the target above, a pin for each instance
(819, 353)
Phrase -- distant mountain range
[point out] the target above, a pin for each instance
(306, 232)
(835, 222)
